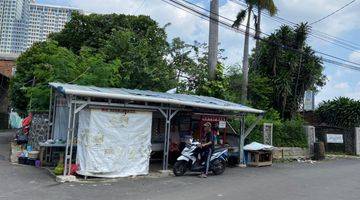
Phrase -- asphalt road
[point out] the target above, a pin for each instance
(327, 180)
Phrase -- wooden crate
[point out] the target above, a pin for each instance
(259, 158)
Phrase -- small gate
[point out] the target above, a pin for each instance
(336, 140)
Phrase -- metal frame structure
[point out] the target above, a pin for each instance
(75, 106)
(76, 103)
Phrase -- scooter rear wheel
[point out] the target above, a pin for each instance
(180, 168)
(218, 167)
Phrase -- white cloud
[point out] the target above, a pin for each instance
(343, 85)
(335, 88)
(191, 28)
(355, 56)
(310, 10)
(183, 24)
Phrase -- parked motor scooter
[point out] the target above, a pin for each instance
(188, 161)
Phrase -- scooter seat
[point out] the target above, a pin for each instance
(219, 149)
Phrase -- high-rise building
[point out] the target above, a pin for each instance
(23, 22)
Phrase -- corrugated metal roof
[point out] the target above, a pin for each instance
(150, 96)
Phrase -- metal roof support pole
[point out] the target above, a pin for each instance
(74, 109)
(69, 136)
(52, 112)
(168, 114)
(167, 140)
(244, 133)
(248, 131)
(242, 139)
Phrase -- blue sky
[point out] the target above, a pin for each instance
(344, 24)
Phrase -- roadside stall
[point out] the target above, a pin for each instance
(112, 132)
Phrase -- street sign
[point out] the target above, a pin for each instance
(222, 124)
(334, 138)
(309, 100)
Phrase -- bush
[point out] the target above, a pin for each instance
(289, 133)
(342, 112)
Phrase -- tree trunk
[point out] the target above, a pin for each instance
(213, 37)
(245, 67)
(257, 38)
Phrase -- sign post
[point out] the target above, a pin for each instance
(268, 133)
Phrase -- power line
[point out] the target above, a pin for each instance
(140, 6)
(337, 38)
(340, 64)
(346, 5)
(317, 34)
(208, 11)
(204, 16)
(340, 43)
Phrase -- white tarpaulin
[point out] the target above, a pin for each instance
(255, 146)
(113, 143)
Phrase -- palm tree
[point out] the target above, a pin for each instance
(270, 7)
(267, 5)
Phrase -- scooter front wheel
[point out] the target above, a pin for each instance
(180, 168)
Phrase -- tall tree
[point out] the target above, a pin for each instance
(213, 37)
(270, 7)
(102, 50)
(291, 70)
(267, 5)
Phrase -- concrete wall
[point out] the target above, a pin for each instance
(290, 153)
(310, 133)
(357, 141)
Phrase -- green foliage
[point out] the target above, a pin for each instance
(190, 63)
(342, 112)
(101, 50)
(288, 133)
(288, 72)
(42, 63)
(259, 90)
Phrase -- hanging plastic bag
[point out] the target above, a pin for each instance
(15, 120)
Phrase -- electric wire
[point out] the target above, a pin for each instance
(204, 16)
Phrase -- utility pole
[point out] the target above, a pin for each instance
(245, 67)
(213, 37)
